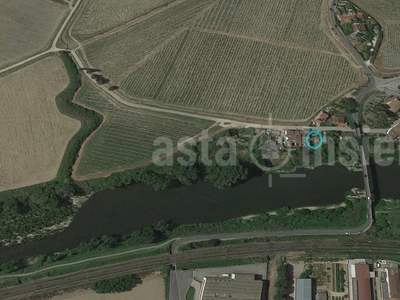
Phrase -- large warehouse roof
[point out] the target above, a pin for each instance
(362, 283)
(238, 287)
(394, 284)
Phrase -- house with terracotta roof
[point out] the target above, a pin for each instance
(322, 117)
(346, 18)
(339, 121)
(359, 27)
(360, 16)
(294, 138)
(393, 104)
(394, 132)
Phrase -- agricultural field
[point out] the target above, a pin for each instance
(115, 54)
(33, 132)
(293, 22)
(390, 55)
(126, 138)
(241, 76)
(97, 17)
(387, 13)
(27, 27)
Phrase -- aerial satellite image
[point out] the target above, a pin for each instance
(200, 149)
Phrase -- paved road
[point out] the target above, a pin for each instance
(221, 121)
(87, 277)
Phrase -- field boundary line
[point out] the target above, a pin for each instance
(130, 23)
(171, 66)
(121, 78)
(264, 40)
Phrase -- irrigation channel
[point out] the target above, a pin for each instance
(122, 210)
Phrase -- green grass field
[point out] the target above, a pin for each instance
(126, 138)
(239, 76)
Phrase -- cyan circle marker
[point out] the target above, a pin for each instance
(308, 139)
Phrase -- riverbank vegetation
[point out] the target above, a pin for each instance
(281, 284)
(351, 215)
(204, 168)
(387, 221)
(89, 119)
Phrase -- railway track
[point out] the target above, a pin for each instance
(140, 265)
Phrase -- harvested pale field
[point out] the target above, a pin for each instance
(96, 17)
(115, 54)
(33, 132)
(27, 27)
(294, 22)
(126, 138)
(241, 76)
(387, 13)
(152, 288)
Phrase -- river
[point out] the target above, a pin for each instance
(125, 209)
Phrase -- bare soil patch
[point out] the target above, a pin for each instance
(33, 131)
(152, 288)
(27, 27)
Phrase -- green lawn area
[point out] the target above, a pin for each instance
(190, 293)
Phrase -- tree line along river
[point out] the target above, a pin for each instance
(125, 209)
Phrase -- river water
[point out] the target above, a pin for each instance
(125, 209)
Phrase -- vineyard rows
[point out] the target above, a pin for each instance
(384, 9)
(159, 66)
(127, 137)
(391, 47)
(295, 22)
(387, 13)
(102, 15)
(114, 54)
(234, 75)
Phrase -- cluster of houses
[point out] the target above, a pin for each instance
(324, 116)
(285, 138)
(352, 19)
